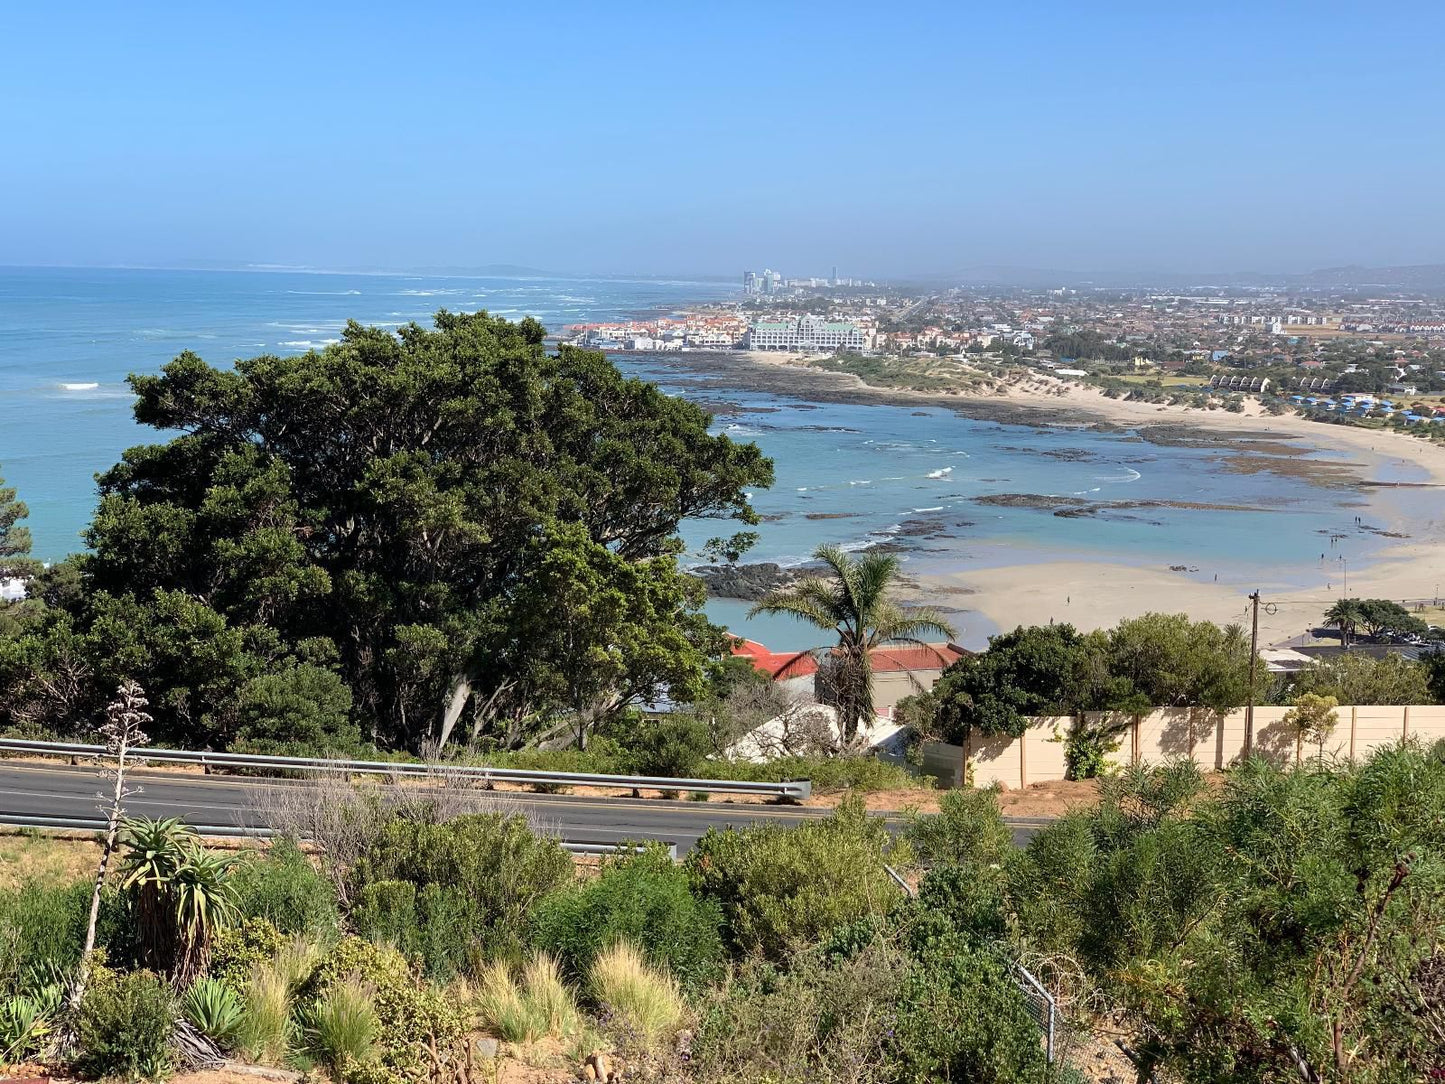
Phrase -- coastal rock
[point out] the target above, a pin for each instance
(746, 582)
(1074, 507)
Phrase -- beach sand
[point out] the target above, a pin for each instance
(1097, 594)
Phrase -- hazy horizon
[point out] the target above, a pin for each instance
(632, 139)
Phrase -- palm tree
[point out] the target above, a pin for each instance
(1345, 615)
(854, 600)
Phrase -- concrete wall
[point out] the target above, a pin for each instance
(892, 686)
(1215, 741)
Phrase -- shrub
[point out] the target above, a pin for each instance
(123, 1026)
(417, 1026)
(821, 1019)
(285, 889)
(675, 746)
(643, 1000)
(385, 912)
(777, 886)
(642, 898)
(967, 830)
(215, 1009)
(238, 949)
(301, 710)
(423, 924)
(860, 772)
(341, 1029)
(960, 1017)
(529, 1006)
(494, 866)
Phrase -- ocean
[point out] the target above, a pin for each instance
(939, 489)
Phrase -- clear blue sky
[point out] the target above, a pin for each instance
(679, 137)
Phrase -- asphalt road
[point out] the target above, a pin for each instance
(46, 790)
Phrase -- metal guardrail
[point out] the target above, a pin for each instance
(97, 824)
(793, 790)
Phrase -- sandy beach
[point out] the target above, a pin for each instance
(1094, 594)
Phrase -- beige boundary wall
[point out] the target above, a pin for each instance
(1215, 741)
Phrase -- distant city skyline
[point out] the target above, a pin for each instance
(917, 142)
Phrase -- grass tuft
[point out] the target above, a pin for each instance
(525, 1008)
(343, 1026)
(641, 998)
(264, 1032)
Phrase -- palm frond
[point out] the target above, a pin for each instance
(811, 599)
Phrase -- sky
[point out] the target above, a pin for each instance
(611, 136)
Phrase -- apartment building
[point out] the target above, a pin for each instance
(807, 334)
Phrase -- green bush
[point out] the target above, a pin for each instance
(820, 1019)
(237, 950)
(862, 772)
(641, 898)
(781, 886)
(961, 1017)
(285, 889)
(675, 746)
(385, 912)
(414, 1020)
(303, 711)
(491, 867)
(123, 1027)
(968, 830)
(419, 923)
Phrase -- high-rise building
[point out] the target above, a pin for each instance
(750, 282)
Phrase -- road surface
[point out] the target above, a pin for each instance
(54, 790)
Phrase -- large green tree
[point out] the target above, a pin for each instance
(853, 599)
(1157, 660)
(455, 521)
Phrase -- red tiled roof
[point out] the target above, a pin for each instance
(899, 659)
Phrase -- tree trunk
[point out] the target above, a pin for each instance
(461, 692)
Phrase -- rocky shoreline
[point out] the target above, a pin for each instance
(746, 583)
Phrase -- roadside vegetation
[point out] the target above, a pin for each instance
(408, 929)
(1288, 923)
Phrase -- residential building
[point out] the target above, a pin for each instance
(808, 335)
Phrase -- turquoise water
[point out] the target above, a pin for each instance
(865, 474)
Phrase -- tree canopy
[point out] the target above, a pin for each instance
(15, 559)
(451, 522)
(1157, 660)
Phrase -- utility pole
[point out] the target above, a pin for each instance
(1253, 662)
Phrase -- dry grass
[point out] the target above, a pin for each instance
(46, 859)
(523, 1008)
(265, 1031)
(642, 999)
